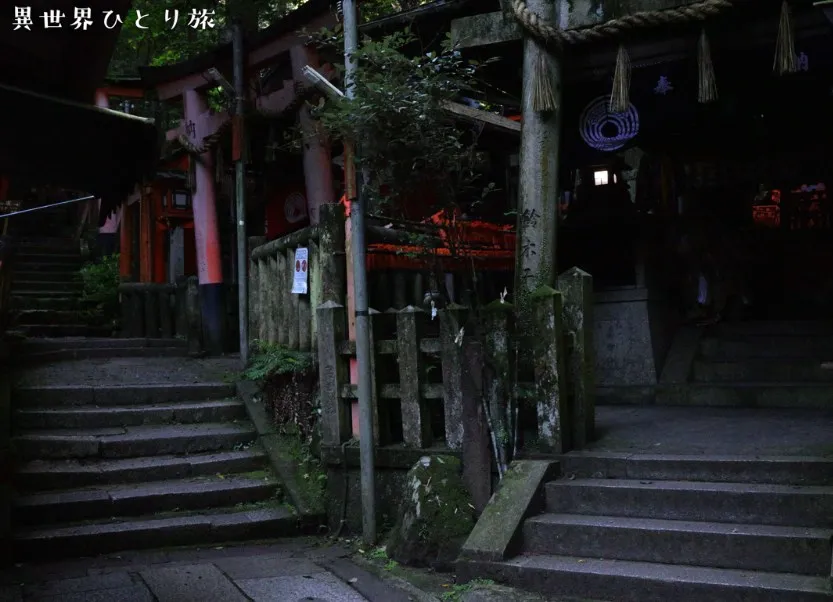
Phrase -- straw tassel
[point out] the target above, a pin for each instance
(543, 91)
(786, 59)
(620, 95)
(707, 85)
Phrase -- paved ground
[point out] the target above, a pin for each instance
(293, 571)
(131, 371)
(717, 431)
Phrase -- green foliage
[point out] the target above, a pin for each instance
(101, 284)
(408, 141)
(269, 360)
(458, 589)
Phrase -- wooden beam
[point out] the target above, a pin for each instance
(479, 116)
(484, 29)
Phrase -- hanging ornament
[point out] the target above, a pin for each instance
(604, 130)
(543, 91)
(786, 60)
(620, 95)
(663, 86)
(707, 84)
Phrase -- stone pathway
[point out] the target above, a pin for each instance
(293, 571)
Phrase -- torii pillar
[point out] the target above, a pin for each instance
(206, 233)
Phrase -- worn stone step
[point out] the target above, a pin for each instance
(29, 317)
(188, 412)
(625, 581)
(135, 499)
(45, 276)
(775, 470)
(796, 328)
(817, 396)
(65, 330)
(720, 545)
(25, 295)
(746, 503)
(45, 285)
(26, 258)
(48, 245)
(70, 343)
(61, 302)
(104, 353)
(26, 264)
(772, 347)
(762, 370)
(43, 475)
(244, 523)
(115, 395)
(132, 441)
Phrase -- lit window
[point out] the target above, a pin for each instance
(181, 199)
(600, 178)
(614, 179)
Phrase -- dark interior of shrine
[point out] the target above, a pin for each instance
(747, 174)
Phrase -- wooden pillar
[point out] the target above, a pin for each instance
(538, 184)
(318, 174)
(146, 238)
(206, 233)
(125, 242)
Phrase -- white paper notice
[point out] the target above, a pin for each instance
(299, 283)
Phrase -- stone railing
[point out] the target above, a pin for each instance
(276, 314)
(434, 384)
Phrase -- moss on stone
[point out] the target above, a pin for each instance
(435, 517)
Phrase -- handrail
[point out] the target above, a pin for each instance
(21, 212)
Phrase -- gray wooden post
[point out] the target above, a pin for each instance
(255, 307)
(416, 422)
(452, 320)
(331, 241)
(315, 291)
(548, 362)
(400, 289)
(497, 381)
(182, 307)
(166, 324)
(263, 298)
(336, 426)
(151, 311)
(291, 318)
(278, 311)
(577, 287)
(381, 415)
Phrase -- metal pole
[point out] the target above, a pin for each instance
(357, 218)
(240, 196)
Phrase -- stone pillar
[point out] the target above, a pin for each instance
(318, 174)
(206, 234)
(538, 183)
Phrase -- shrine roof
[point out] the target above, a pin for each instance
(61, 62)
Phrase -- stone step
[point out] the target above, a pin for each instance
(796, 328)
(762, 370)
(45, 285)
(116, 395)
(61, 302)
(718, 545)
(133, 415)
(252, 522)
(103, 353)
(71, 343)
(25, 258)
(776, 470)
(52, 295)
(65, 330)
(817, 396)
(771, 347)
(29, 317)
(625, 581)
(44, 248)
(746, 503)
(44, 276)
(132, 441)
(136, 499)
(43, 475)
(26, 264)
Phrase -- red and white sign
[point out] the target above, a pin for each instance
(299, 282)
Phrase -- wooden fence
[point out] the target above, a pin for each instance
(430, 379)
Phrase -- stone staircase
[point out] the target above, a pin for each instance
(639, 528)
(625, 524)
(46, 290)
(168, 459)
(759, 364)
